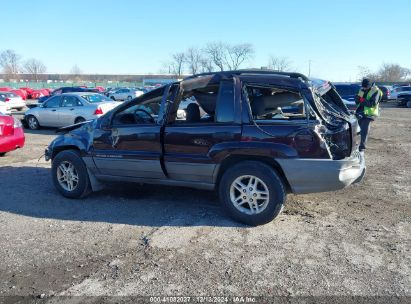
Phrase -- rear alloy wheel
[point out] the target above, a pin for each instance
(252, 193)
(33, 123)
(70, 175)
(249, 194)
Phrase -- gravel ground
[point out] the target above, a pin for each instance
(151, 240)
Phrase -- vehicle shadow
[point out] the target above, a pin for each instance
(42, 131)
(29, 191)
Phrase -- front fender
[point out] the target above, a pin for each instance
(80, 139)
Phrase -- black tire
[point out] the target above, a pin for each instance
(82, 188)
(2, 154)
(32, 123)
(276, 189)
(79, 119)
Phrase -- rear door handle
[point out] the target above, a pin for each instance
(71, 109)
(54, 110)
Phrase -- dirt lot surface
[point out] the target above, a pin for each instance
(152, 240)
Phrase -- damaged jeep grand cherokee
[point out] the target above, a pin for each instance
(253, 135)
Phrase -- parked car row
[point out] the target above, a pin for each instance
(400, 93)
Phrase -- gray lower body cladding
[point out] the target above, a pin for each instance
(322, 175)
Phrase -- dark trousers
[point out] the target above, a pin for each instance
(365, 128)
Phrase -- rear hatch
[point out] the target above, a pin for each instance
(340, 128)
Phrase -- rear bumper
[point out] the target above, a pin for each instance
(322, 175)
(16, 104)
(13, 142)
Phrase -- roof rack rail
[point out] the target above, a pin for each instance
(253, 71)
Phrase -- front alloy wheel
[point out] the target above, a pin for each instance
(67, 176)
(70, 174)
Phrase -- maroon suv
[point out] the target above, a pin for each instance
(252, 135)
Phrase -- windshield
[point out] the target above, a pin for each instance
(95, 98)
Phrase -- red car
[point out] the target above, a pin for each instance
(11, 134)
(36, 94)
(45, 92)
(28, 92)
(20, 92)
(5, 89)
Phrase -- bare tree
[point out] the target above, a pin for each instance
(34, 67)
(176, 66)
(206, 65)
(238, 54)
(387, 73)
(393, 73)
(280, 64)
(216, 52)
(76, 72)
(10, 62)
(193, 58)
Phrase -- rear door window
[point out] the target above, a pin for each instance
(53, 102)
(70, 101)
(274, 103)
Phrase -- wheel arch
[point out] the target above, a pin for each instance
(77, 117)
(235, 159)
(58, 149)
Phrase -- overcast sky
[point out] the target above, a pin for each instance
(138, 36)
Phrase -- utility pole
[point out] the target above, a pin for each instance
(309, 68)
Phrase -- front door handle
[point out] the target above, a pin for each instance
(54, 110)
(71, 109)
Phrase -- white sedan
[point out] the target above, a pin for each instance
(12, 100)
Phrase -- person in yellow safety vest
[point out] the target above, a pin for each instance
(367, 101)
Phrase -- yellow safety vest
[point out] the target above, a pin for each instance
(375, 110)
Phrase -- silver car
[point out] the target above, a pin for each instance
(67, 109)
(125, 94)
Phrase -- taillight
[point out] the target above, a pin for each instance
(7, 99)
(98, 111)
(17, 123)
